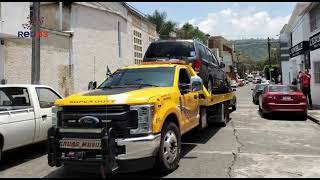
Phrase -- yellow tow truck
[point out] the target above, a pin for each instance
(134, 120)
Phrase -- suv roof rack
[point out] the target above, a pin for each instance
(166, 62)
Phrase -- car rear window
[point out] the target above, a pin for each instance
(170, 50)
(260, 88)
(283, 89)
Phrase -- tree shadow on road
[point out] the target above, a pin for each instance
(283, 116)
(21, 155)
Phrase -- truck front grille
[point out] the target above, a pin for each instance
(120, 117)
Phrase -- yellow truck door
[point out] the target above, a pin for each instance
(188, 102)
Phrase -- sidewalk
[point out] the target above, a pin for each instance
(314, 115)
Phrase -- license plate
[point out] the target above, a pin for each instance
(286, 98)
(80, 143)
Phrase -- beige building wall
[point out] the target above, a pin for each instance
(148, 35)
(96, 40)
(54, 58)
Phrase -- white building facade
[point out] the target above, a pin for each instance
(93, 35)
(302, 35)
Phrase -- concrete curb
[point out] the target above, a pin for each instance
(312, 118)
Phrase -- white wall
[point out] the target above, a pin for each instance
(96, 37)
(13, 15)
(301, 30)
(315, 87)
(285, 68)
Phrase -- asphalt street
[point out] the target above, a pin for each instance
(249, 146)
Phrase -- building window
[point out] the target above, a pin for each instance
(119, 38)
(137, 44)
(314, 18)
(317, 72)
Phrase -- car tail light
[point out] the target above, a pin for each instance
(197, 65)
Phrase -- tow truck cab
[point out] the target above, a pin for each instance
(132, 121)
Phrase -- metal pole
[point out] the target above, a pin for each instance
(269, 59)
(60, 16)
(35, 73)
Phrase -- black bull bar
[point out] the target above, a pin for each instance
(109, 149)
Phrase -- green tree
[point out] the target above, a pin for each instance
(158, 19)
(163, 26)
(188, 31)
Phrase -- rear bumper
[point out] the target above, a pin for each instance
(272, 107)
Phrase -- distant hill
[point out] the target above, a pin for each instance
(254, 48)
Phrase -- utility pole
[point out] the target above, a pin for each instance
(35, 73)
(269, 60)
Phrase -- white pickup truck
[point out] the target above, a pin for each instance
(25, 114)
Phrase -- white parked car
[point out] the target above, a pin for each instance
(234, 84)
(265, 82)
(25, 114)
(250, 78)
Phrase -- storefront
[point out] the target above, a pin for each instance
(315, 68)
(299, 59)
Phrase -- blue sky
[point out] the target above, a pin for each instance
(235, 20)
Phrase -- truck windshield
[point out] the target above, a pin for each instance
(170, 50)
(157, 77)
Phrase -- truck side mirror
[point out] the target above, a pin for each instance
(184, 88)
(92, 85)
(196, 84)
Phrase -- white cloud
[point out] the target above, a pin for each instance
(234, 23)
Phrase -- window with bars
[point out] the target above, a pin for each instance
(317, 72)
(137, 44)
(119, 39)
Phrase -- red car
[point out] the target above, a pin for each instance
(282, 98)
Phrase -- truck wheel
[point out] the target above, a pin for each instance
(170, 148)
(203, 123)
(226, 114)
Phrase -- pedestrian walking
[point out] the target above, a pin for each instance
(306, 78)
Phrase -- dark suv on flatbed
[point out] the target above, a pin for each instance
(203, 60)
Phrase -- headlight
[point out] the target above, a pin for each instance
(145, 116)
(55, 110)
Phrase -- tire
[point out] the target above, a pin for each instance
(1, 153)
(304, 116)
(203, 123)
(265, 115)
(168, 163)
(234, 107)
(226, 115)
(260, 109)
